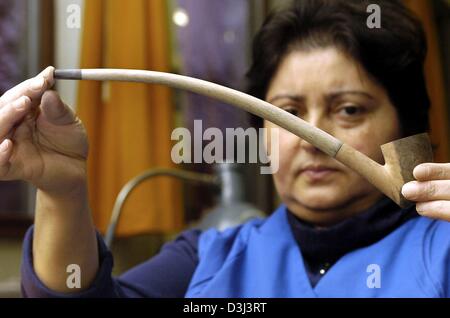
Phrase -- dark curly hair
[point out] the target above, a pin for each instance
(393, 54)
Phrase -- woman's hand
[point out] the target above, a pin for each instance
(44, 143)
(41, 140)
(431, 191)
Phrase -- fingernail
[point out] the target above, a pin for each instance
(4, 146)
(409, 189)
(43, 72)
(420, 170)
(421, 208)
(48, 75)
(38, 83)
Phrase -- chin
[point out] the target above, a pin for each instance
(322, 196)
(319, 209)
(320, 201)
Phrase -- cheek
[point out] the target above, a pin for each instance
(288, 148)
(364, 140)
(368, 138)
(289, 144)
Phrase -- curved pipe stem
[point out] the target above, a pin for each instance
(317, 137)
(368, 168)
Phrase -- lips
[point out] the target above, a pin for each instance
(316, 173)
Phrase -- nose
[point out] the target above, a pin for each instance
(306, 146)
(316, 119)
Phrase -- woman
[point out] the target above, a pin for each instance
(334, 235)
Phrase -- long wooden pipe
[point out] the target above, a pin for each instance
(401, 156)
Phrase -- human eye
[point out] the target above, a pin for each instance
(350, 111)
(290, 109)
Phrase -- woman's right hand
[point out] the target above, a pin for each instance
(44, 143)
(41, 139)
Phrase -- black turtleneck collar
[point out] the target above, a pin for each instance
(322, 247)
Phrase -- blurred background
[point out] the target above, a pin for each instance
(130, 125)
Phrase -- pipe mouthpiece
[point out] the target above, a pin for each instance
(74, 74)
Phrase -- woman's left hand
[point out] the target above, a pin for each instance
(431, 191)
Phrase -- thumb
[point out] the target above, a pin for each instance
(55, 111)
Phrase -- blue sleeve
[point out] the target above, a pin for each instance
(165, 275)
(437, 256)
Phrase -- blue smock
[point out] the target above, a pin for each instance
(262, 259)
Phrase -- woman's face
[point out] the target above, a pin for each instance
(332, 92)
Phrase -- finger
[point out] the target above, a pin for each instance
(55, 111)
(435, 209)
(12, 113)
(432, 171)
(427, 190)
(5, 155)
(33, 87)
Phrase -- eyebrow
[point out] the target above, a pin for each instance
(331, 96)
(296, 98)
(350, 92)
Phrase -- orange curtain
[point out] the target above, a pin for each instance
(435, 79)
(129, 125)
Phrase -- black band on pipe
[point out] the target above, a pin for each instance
(74, 74)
